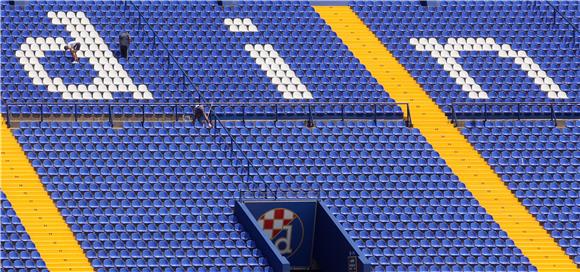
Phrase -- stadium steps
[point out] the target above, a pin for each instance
(44, 224)
(479, 178)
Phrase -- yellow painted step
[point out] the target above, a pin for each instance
(43, 222)
(460, 156)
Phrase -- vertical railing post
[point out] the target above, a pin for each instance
(110, 116)
(244, 114)
(276, 111)
(375, 108)
(553, 113)
(310, 117)
(143, 114)
(8, 115)
(175, 113)
(454, 114)
(485, 112)
(75, 112)
(409, 118)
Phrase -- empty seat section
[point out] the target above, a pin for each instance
(161, 194)
(18, 251)
(540, 164)
(202, 45)
(530, 29)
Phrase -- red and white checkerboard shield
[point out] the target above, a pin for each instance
(274, 221)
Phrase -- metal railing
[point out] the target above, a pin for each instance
(517, 110)
(237, 111)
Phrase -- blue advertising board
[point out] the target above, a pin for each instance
(290, 227)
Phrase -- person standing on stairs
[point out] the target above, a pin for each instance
(124, 42)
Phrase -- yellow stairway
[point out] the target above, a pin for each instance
(485, 185)
(37, 212)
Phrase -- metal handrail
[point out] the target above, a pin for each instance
(563, 17)
(486, 115)
(201, 97)
(270, 110)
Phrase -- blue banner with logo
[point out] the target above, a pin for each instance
(290, 227)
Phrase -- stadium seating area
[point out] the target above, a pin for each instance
(161, 194)
(203, 45)
(526, 26)
(18, 252)
(540, 163)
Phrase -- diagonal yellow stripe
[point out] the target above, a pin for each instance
(460, 156)
(40, 217)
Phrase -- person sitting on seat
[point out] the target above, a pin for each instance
(200, 114)
(73, 47)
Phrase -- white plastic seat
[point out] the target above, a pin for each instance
(552, 95)
(562, 95)
(37, 81)
(306, 95)
(127, 81)
(297, 95)
(147, 95)
(292, 88)
(117, 81)
(252, 28)
(238, 21)
(473, 95)
(302, 88)
(282, 88)
(97, 96)
(77, 96)
(295, 81)
(107, 95)
(413, 41)
(249, 47)
(270, 73)
(268, 47)
(233, 28)
(228, 21)
(287, 95)
(67, 96)
(57, 81)
(87, 96)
